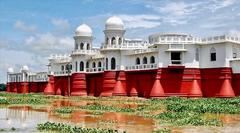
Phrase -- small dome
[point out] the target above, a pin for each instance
(10, 70)
(114, 23)
(83, 30)
(25, 68)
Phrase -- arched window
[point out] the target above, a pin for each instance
(113, 40)
(113, 63)
(144, 60)
(93, 65)
(120, 40)
(213, 54)
(81, 46)
(88, 46)
(87, 65)
(81, 66)
(137, 61)
(99, 64)
(76, 66)
(107, 40)
(234, 53)
(152, 59)
(62, 67)
(197, 54)
(106, 63)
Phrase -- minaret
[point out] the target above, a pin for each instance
(114, 31)
(83, 38)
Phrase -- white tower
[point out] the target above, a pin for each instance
(83, 38)
(114, 31)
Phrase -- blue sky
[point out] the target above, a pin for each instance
(31, 30)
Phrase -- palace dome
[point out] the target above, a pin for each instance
(83, 30)
(10, 70)
(114, 23)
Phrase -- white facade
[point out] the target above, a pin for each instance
(161, 50)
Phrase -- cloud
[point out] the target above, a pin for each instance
(218, 4)
(48, 43)
(20, 25)
(234, 32)
(140, 21)
(61, 24)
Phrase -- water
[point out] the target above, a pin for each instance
(26, 118)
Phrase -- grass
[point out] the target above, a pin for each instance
(173, 111)
(65, 128)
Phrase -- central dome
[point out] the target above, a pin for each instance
(83, 30)
(114, 23)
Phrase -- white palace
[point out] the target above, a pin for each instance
(175, 57)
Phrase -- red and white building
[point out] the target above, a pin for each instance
(168, 64)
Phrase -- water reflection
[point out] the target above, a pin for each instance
(26, 118)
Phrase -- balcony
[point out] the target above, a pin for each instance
(141, 67)
(94, 70)
(92, 51)
(62, 73)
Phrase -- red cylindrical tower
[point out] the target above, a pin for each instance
(109, 81)
(120, 87)
(157, 89)
(79, 87)
(49, 90)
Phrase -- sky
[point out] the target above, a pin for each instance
(31, 30)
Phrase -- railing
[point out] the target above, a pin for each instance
(99, 69)
(139, 51)
(62, 73)
(92, 51)
(141, 67)
(217, 39)
(176, 40)
(125, 45)
(176, 62)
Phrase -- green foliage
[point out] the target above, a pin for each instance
(64, 110)
(106, 108)
(2, 87)
(64, 128)
(162, 130)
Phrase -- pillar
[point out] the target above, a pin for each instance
(49, 90)
(79, 85)
(24, 87)
(109, 81)
(8, 88)
(157, 89)
(195, 90)
(133, 90)
(120, 87)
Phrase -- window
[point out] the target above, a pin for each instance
(113, 41)
(93, 65)
(87, 65)
(137, 61)
(144, 60)
(107, 40)
(197, 54)
(234, 53)
(152, 59)
(81, 46)
(99, 66)
(113, 63)
(76, 65)
(88, 46)
(81, 66)
(213, 54)
(62, 68)
(106, 63)
(120, 40)
(176, 57)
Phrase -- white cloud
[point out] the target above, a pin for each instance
(48, 43)
(61, 24)
(218, 4)
(20, 25)
(140, 21)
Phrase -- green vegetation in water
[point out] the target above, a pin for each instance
(64, 128)
(162, 130)
(106, 108)
(64, 110)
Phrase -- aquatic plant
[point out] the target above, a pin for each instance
(64, 110)
(65, 128)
